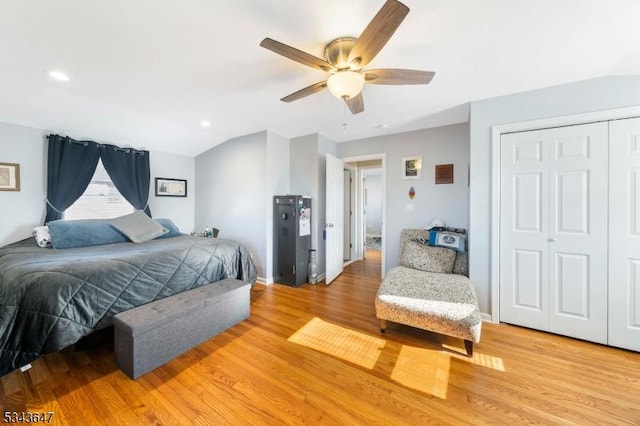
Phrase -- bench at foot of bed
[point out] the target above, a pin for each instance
(150, 335)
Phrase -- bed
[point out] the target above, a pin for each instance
(49, 299)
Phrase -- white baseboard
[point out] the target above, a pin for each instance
(485, 317)
(264, 281)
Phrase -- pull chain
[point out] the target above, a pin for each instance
(344, 123)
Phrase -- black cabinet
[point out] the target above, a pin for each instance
(291, 239)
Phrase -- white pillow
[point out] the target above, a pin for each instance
(138, 227)
(42, 236)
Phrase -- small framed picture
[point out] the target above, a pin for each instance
(412, 167)
(444, 173)
(9, 177)
(168, 187)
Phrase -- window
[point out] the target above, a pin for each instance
(101, 199)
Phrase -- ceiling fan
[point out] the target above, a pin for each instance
(346, 57)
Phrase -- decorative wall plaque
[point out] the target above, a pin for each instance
(444, 173)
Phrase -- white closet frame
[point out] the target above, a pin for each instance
(496, 131)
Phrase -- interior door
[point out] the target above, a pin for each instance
(553, 232)
(624, 234)
(578, 219)
(524, 229)
(334, 227)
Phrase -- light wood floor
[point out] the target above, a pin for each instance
(314, 355)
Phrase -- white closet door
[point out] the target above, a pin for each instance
(553, 231)
(524, 230)
(624, 236)
(578, 182)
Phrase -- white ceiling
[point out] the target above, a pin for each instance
(146, 72)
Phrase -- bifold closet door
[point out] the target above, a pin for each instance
(553, 231)
(624, 237)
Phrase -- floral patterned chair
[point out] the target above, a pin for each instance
(430, 290)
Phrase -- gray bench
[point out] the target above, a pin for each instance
(147, 336)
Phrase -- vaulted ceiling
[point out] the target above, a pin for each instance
(146, 72)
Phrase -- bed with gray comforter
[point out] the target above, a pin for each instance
(49, 298)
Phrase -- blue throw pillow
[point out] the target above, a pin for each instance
(83, 233)
(168, 224)
(452, 240)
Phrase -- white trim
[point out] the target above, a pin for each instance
(496, 131)
(486, 317)
(383, 158)
(264, 281)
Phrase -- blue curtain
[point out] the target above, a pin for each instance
(71, 165)
(129, 170)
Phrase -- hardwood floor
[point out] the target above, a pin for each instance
(314, 355)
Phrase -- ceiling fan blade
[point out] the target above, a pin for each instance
(378, 33)
(309, 90)
(296, 55)
(356, 104)
(398, 76)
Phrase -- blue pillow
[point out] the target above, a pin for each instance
(83, 233)
(452, 240)
(168, 223)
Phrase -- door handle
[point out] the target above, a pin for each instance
(552, 240)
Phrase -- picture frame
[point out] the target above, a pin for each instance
(170, 187)
(412, 167)
(444, 174)
(9, 177)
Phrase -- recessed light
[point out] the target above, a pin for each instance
(58, 75)
(382, 126)
(205, 123)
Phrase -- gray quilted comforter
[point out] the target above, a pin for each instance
(49, 299)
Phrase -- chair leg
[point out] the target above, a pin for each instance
(468, 345)
(383, 325)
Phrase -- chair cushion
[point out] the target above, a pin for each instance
(443, 303)
(426, 258)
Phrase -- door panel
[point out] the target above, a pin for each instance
(578, 224)
(573, 285)
(553, 230)
(624, 234)
(527, 279)
(524, 263)
(334, 227)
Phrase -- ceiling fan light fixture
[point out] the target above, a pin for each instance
(345, 84)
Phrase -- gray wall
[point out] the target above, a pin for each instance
(180, 210)
(278, 177)
(574, 98)
(24, 210)
(373, 187)
(308, 177)
(231, 187)
(440, 145)
(236, 182)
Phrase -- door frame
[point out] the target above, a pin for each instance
(360, 240)
(353, 254)
(496, 132)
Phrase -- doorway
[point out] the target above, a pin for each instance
(367, 203)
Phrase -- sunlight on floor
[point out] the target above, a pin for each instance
(423, 370)
(349, 345)
(478, 358)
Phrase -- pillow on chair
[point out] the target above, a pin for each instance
(426, 258)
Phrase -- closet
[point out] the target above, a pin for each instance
(570, 231)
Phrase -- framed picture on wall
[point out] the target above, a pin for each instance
(9, 177)
(412, 167)
(168, 187)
